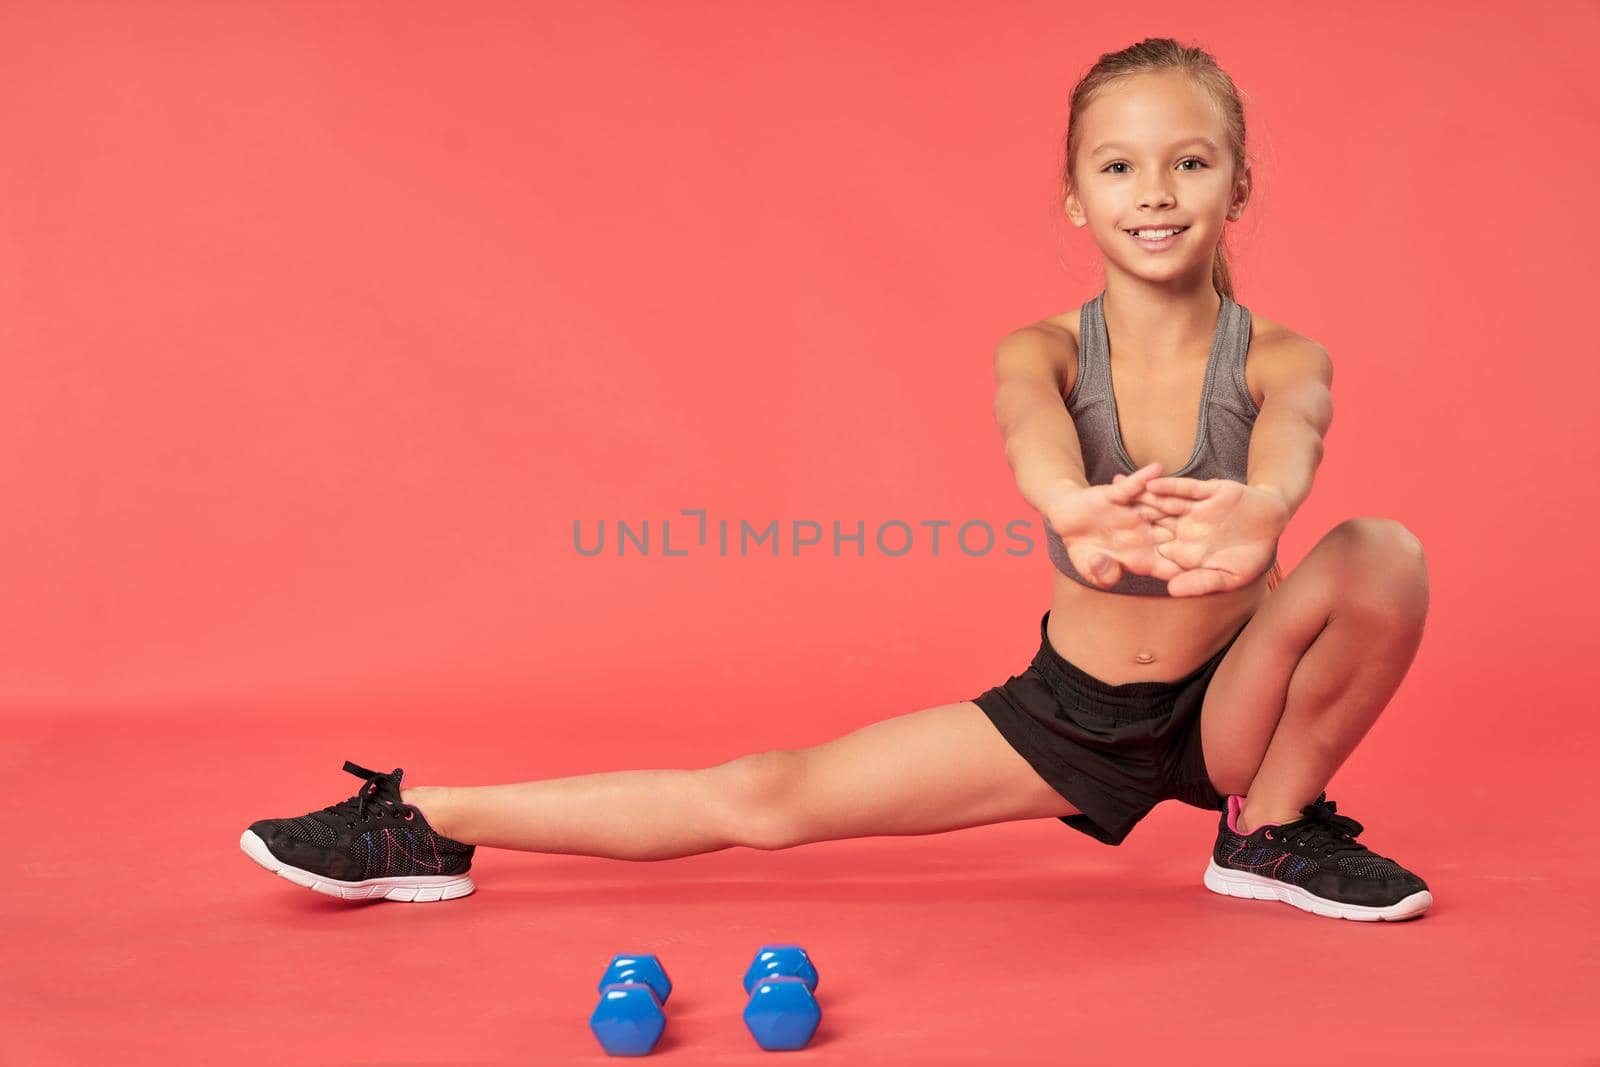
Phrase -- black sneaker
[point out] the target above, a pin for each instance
(371, 845)
(1315, 864)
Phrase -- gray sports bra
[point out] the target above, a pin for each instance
(1222, 435)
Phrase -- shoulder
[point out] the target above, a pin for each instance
(1279, 358)
(1049, 343)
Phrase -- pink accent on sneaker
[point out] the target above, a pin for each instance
(1235, 807)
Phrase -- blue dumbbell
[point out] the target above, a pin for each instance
(783, 1012)
(628, 1020)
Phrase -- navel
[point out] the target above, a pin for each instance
(1144, 655)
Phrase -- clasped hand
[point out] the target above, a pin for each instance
(1199, 535)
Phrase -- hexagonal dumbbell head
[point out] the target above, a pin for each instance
(628, 1020)
(782, 1013)
(781, 961)
(644, 968)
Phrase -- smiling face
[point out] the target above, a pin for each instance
(1153, 151)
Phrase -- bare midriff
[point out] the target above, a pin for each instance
(1119, 638)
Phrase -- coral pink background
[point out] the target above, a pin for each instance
(320, 324)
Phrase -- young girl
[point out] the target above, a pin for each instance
(1164, 669)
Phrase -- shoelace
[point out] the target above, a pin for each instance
(356, 806)
(1321, 828)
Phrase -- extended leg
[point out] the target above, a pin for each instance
(934, 770)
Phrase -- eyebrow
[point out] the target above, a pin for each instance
(1108, 146)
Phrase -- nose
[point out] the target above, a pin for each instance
(1156, 193)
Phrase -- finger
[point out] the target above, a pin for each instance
(1150, 526)
(1145, 473)
(1128, 485)
(1163, 568)
(1197, 582)
(1161, 485)
(1187, 488)
(1185, 554)
(1169, 505)
(1181, 527)
(1104, 571)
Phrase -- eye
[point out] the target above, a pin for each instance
(1120, 163)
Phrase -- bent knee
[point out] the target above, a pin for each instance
(1383, 568)
(758, 794)
(1381, 541)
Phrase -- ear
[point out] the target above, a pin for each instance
(1074, 209)
(1242, 188)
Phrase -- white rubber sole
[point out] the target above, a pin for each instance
(1256, 887)
(416, 889)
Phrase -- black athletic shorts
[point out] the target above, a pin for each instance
(1113, 751)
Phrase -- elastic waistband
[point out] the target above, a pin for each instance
(1063, 672)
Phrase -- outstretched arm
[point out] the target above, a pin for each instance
(1296, 410)
(1031, 375)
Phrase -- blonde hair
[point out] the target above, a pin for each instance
(1154, 55)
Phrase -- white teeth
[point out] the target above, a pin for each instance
(1157, 235)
